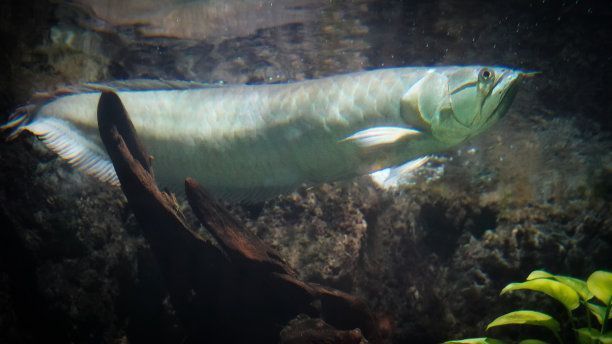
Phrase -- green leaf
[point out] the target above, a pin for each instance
(600, 284)
(606, 338)
(532, 341)
(587, 335)
(590, 335)
(598, 311)
(578, 285)
(557, 290)
(539, 274)
(525, 317)
(483, 340)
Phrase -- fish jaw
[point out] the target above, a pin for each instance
(477, 97)
(505, 90)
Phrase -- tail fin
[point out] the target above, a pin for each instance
(16, 121)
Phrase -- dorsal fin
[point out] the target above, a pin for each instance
(24, 114)
(121, 85)
(144, 85)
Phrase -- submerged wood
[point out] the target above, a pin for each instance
(238, 291)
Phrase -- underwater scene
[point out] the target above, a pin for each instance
(305, 171)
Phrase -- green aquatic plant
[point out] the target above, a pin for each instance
(594, 295)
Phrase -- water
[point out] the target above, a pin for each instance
(429, 258)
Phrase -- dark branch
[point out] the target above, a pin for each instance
(243, 294)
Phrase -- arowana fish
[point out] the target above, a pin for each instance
(250, 142)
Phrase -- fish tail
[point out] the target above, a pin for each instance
(17, 121)
(25, 115)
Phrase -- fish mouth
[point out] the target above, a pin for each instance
(502, 93)
(509, 82)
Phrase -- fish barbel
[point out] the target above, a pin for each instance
(251, 142)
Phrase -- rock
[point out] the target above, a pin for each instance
(304, 330)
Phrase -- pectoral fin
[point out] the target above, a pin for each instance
(376, 136)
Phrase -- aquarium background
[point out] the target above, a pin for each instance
(429, 258)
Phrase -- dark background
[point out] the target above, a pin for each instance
(75, 268)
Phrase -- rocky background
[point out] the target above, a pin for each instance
(430, 258)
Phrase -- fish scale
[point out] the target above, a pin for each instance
(250, 142)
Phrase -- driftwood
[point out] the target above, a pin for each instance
(237, 291)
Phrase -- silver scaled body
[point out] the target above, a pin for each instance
(250, 142)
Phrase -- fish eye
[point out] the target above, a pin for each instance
(486, 75)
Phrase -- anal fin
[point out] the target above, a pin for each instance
(67, 142)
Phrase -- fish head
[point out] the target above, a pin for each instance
(456, 103)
